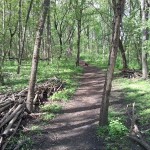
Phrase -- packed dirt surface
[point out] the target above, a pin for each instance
(75, 127)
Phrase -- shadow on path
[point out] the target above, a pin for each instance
(75, 127)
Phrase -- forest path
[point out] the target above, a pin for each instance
(75, 128)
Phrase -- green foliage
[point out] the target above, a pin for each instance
(64, 69)
(137, 91)
(36, 129)
(52, 108)
(113, 134)
(116, 129)
(47, 116)
(102, 131)
(95, 59)
(21, 138)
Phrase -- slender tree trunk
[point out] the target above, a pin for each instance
(61, 44)
(2, 50)
(22, 43)
(138, 54)
(49, 52)
(118, 10)
(12, 33)
(78, 42)
(19, 34)
(144, 12)
(79, 14)
(1, 69)
(124, 60)
(37, 45)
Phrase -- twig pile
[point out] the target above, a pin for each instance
(131, 73)
(13, 108)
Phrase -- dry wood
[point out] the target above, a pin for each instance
(35, 99)
(135, 133)
(140, 141)
(131, 73)
(19, 107)
(12, 108)
(15, 130)
(5, 103)
(7, 129)
(5, 107)
(7, 114)
(37, 114)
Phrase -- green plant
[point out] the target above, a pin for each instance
(116, 129)
(21, 138)
(47, 117)
(52, 108)
(102, 131)
(36, 129)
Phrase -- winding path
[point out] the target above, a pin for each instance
(75, 128)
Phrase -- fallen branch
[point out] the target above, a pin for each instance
(140, 141)
(135, 133)
(15, 130)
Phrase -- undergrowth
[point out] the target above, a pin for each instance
(63, 69)
(133, 90)
(138, 91)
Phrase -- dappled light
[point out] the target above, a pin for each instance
(74, 75)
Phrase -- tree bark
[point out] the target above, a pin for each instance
(124, 60)
(39, 33)
(49, 51)
(22, 43)
(145, 34)
(118, 10)
(78, 42)
(79, 14)
(19, 34)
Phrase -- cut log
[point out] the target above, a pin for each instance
(6, 142)
(7, 129)
(19, 107)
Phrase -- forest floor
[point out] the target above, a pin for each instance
(75, 128)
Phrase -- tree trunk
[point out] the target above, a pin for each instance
(22, 43)
(124, 60)
(61, 45)
(79, 14)
(144, 12)
(49, 52)
(2, 50)
(19, 34)
(37, 45)
(78, 43)
(118, 10)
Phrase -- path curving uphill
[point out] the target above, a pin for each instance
(75, 128)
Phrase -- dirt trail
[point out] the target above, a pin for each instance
(75, 128)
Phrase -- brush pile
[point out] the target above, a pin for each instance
(13, 107)
(131, 73)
